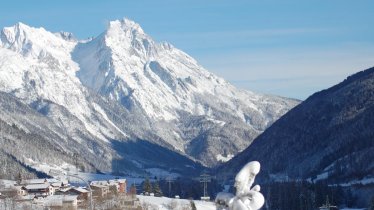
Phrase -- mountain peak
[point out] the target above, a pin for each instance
(66, 36)
(166, 95)
(13, 34)
(125, 25)
(34, 42)
(21, 25)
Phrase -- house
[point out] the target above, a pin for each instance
(100, 190)
(12, 191)
(120, 184)
(113, 185)
(39, 190)
(82, 193)
(63, 191)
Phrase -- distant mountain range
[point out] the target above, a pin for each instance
(329, 136)
(122, 102)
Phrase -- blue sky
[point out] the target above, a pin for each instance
(289, 48)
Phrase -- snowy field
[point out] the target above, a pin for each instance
(163, 203)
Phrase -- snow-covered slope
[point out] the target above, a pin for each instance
(167, 85)
(122, 89)
(164, 203)
(125, 64)
(329, 136)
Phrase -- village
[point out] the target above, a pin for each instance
(51, 193)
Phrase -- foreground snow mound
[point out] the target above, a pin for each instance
(246, 198)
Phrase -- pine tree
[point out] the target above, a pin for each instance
(156, 189)
(147, 187)
(19, 178)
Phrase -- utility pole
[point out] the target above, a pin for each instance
(169, 180)
(205, 178)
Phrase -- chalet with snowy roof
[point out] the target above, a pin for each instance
(57, 186)
(63, 191)
(82, 193)
(39, 190)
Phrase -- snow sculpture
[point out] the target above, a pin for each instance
(246, 198)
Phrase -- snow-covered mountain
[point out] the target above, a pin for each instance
(123, 90)
(329, 136)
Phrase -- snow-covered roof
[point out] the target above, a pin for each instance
(99, 183)
(81, 190)
(113, 183)
(53, 180)
(17, 187)
(117, 181)
(65, 189)
(57, 184)
(6, 182)
(33, 181)
(108, 182)
(39, 181)
(37, 186)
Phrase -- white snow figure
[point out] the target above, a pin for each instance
(246, 198)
